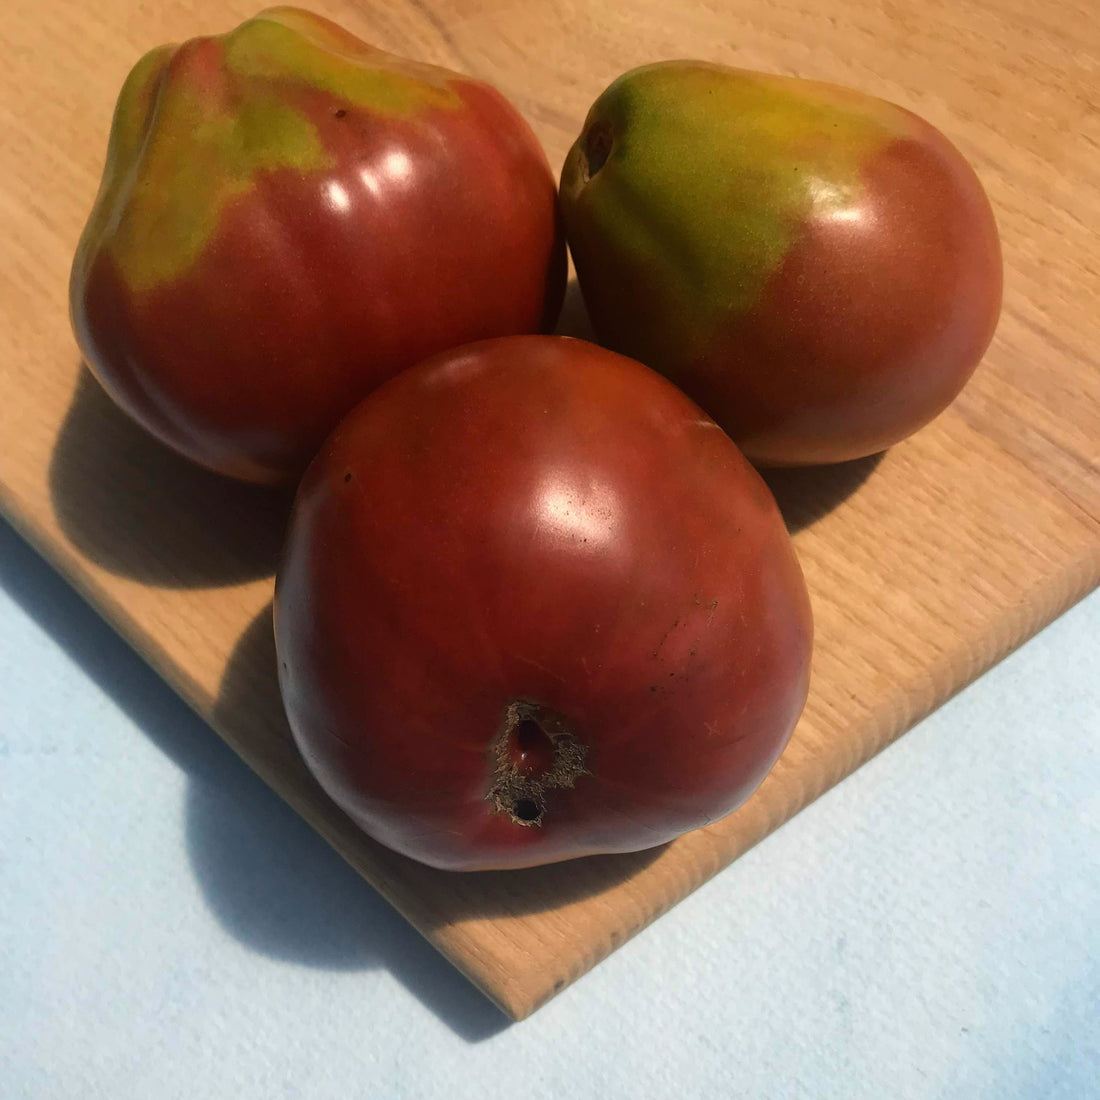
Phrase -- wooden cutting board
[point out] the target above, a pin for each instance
(925, 567)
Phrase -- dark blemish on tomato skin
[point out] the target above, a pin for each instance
(664, 637)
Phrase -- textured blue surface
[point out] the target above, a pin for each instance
(168, 928)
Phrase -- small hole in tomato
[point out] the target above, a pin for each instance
(532, 750)
(347, 477)
(527, 809)
(340, 112)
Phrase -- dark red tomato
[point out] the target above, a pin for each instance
(819, 269)
(287, 218)
(535, 604)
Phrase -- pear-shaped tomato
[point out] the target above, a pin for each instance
(819, 269)
(534, 604)
(288, 217)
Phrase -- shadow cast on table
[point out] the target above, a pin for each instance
(141, 511)
(281, 890)
(269, 878)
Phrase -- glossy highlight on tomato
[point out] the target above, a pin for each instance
(287, 218)
(534, 604)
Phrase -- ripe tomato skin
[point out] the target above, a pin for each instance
(288, 217)
(525, 551)
(820, 269)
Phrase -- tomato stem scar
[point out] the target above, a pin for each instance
(534, 752)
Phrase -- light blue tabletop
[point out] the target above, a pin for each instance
(168, 928)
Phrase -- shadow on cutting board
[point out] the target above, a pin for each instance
(271, 881)
(805, 494)
(138, 509)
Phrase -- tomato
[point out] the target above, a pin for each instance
(534, 604)
(287, 218)
(819, 269)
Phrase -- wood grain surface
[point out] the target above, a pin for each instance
(925, 566)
